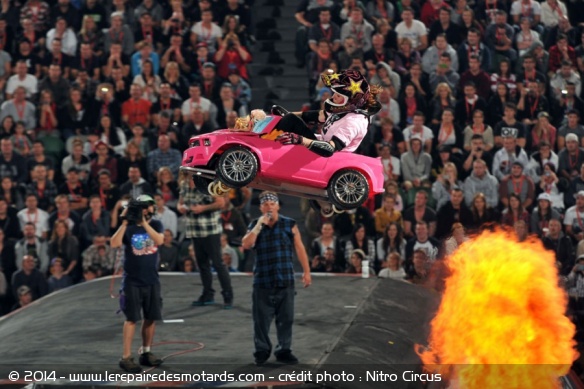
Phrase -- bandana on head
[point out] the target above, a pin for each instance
(268, 197)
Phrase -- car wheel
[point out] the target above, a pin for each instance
(237, 167)
(348, 189)
(201, 184)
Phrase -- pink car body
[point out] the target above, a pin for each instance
(288, 169)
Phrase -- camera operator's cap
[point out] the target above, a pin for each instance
(145, 199)
(544, 196)
(22, 290)
(579, 194)
(572, 138)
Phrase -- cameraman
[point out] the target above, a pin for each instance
(141, 237)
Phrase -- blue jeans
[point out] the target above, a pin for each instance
(267, 304)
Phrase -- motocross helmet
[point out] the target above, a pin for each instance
(351, 85)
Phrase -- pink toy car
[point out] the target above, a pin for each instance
(236, 159)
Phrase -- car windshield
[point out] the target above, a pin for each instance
(259, 127)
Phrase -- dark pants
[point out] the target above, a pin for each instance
(208, 251)
(294, 124)
(267, 304)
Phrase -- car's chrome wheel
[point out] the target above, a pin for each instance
(348, 189)
(237, 167)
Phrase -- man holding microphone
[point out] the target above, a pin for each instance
(141, 236)
(274, 237)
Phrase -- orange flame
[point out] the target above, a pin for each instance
(501, 321)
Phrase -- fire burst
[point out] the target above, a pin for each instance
(501, 321)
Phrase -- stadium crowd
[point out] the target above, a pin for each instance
(99, 99)
(479, 126)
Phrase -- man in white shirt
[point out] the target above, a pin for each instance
(418, 128)
(65, 34)
(412, 29)
(563, 76)
(505, 157)
(32, 214)
(207, 31)
(195, 101)
(552, 11)
(22, 78)
(166, 216)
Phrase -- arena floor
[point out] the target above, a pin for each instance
(345, 321)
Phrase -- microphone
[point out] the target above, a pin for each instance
(269, 215)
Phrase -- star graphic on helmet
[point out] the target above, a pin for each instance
(334, 76)
(355, 87)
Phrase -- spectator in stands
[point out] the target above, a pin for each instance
(561, 244)
(164, 155)
(108, 192)
(481, 80)
(418, 212)
(33, 245)
(416, 164)
(197, 101)
(325, 263)
(119, 33)
(542, 215)
(560, 52)
(35, 215)
(498, 100)
(422, 241)
(412, 29)
(452, 212)
(65, 214)
(9, 221)
(393, 267)
(360, 240)
(392, 240)
(573, 218)
(166, 216)
(96, 222)
(96, 11)
(22, 78)
(20, 109)
(356, 263)
(136, 110)
(431, 57)
(57, 57)
(443, 73)
(507, 156)
(517, 182)
(473, 46)
(168, 253)
(525, 38)
(39, 157)
(359, 28)
(12, 192)
(570, 157)
(509, 126)
(75, 190)
(457, 238)
(531, 103)
(65, 34)
(468, 103)
(572, 126)
(443, 25)
(136, 184)
(12, 164)
(58, 279)
(550, 184)
(207, 31)
(543, 131)
(478, 130)
(445, 183)
(149, 81)
(483, 214)
(539, 159)
(499, 37)
(481, 181)
(231, 55)
(45, 189)
(386, 215)
(514, 211)
(568, 103)
(30, 277)
(103, 160)
(327, 240)
(64, 245)
(99, 256)
(76, 160)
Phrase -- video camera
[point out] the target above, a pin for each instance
(134, 215)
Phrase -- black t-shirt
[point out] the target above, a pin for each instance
(31, 61)
(141, 255)
(504, 129)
